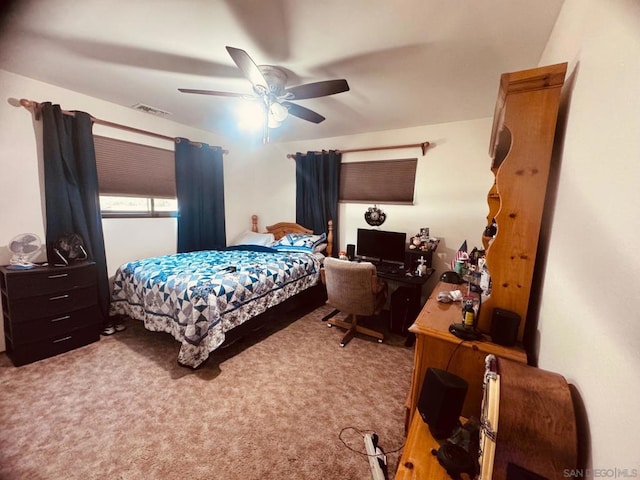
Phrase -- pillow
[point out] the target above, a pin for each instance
(299, 242)
(321, 247)
(254, 238)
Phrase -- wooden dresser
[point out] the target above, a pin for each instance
(521, 150)
(522, 138)
(49, 310)
(417, 461)
(437, 348)
(535, 431)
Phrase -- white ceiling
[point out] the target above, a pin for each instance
(408, 62)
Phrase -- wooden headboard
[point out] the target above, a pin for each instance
(281, 229)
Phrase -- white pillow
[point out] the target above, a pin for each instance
(321, 247)
(254, 238)
(299, 242)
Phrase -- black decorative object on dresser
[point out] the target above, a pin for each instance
(49, 310)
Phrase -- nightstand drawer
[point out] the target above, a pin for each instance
(38, 350)
(42, 281)
(55, 325)
(57, 303)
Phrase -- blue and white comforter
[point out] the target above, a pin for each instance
(192, 297)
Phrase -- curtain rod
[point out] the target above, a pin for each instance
(35, 106)
(423, 146)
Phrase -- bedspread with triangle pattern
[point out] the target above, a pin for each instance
(199, 296)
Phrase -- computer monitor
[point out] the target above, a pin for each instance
(381, 246)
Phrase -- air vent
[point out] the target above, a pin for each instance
(149, 109)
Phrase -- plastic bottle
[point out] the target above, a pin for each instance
(468, 313)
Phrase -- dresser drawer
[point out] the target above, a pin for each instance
(52, 326)
(43, 281)
(49, 310)
(21, 354)
(58, 303)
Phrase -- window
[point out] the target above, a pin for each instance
(135, 180)
(118, 206)
(381, 181)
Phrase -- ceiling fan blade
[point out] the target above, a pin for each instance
(303, 113)
(212, 92)
(249, 69)
(318, 89)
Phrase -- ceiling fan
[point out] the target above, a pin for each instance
(269, 86)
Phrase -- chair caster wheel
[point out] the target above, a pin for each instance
(379, 340)
(329, 325)
(342, 345)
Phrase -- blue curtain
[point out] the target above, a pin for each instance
(71, 188)
(317, 191)
(200, 191)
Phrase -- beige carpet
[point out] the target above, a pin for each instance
(269, 407)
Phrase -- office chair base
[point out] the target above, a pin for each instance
(330, 315)
(353, 328)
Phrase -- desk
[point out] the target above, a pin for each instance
(405, 301)
(437, 348)
(402, 277)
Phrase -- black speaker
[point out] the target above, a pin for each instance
(441, 401)
(504, 327)
(351, 251)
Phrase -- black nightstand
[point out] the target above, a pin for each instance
(49, 310)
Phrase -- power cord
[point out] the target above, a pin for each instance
(453, 353)
(362, 434)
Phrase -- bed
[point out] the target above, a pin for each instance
(202, 298)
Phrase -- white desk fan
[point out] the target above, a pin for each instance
(24, 248)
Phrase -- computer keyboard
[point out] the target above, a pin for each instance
(385, 267)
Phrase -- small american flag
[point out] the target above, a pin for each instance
(461, 254)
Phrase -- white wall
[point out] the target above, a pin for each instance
(589, 318)
(128, 239)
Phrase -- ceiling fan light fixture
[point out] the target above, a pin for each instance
(273, 123)
(278, 112)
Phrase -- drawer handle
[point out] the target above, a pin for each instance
(60, 275)
(63, 339)
(66, 317)
(59, 297)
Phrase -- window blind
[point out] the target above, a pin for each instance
(380, 181)
(132, 169)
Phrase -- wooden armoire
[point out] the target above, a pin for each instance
(522, 138)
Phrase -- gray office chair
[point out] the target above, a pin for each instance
(355, 289)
